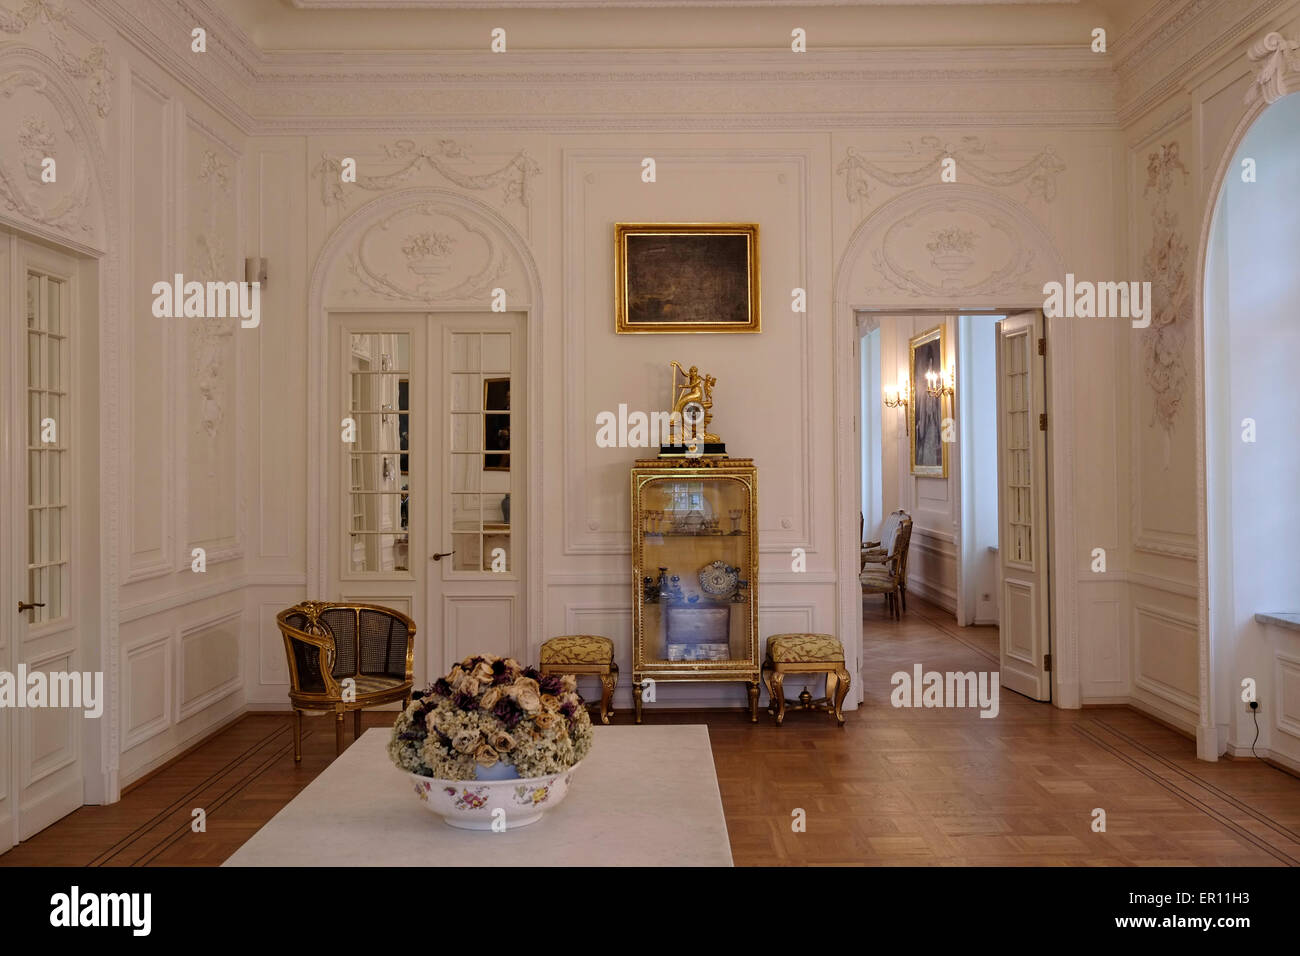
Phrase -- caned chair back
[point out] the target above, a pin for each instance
(327, 643)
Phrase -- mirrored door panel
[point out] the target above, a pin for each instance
(480, 425)
(379, 488)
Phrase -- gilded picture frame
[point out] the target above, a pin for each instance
(928, 451)
(674, 277)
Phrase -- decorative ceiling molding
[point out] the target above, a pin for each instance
(1279, 71)
(270, 93)
(1174, 39)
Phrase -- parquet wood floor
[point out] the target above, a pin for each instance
(895, 786)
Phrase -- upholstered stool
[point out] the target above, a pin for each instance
(579, 654)
(805, 654)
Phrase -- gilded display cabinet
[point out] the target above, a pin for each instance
(695, 572)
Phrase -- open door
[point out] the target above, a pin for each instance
(1025, 635)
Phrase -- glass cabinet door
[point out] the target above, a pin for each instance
(696, 561)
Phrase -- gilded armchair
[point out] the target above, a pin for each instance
(890, 579)
(877, 552)
(331, 644)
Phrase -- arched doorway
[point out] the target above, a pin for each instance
(1013, 257)
(462, 252)
(1251, 347)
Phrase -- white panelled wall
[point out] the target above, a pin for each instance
(211, 435)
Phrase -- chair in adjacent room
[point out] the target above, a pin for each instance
(329, 643)
(890, 578)
(877, 552)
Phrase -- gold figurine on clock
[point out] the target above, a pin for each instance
(691, 396)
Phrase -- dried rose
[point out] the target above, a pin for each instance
(502, 741)
(490, 697)
(486, 756)
(550, 703)
(482, 672)
(466, 741)
(545, 721)
(525, 693)
(570, 683)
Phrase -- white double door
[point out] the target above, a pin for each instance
(425, 487)
(47, 539)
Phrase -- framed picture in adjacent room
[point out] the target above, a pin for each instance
(929, 451)
(686, 277)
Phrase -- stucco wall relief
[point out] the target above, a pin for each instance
(1164, 344)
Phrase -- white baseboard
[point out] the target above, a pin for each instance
(943, 599)
(1243, 753)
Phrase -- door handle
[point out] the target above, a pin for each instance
(24, 606)
(441, 555)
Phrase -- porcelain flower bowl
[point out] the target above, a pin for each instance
(473, 804)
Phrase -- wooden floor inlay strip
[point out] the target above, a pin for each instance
(1268, 835)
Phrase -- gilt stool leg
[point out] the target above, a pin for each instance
(607, 684)
(297, 736)
(777, 684)
(356, 724)
(841, 692)
(338, 733)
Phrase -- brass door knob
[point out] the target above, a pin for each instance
(441, 555)
(25, 606)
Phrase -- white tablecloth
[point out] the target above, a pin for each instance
(644, 796)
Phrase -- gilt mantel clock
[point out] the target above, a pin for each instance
(695, 566)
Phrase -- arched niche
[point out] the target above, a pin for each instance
(422, 249)
(1227, 648)
(45, 119)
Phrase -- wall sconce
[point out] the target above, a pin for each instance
(939, 385)
(899, 398)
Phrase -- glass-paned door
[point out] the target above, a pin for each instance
(41, 759)
(48, 424)
(427, 504)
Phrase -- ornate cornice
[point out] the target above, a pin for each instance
(1174, 39)
(268, 93)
